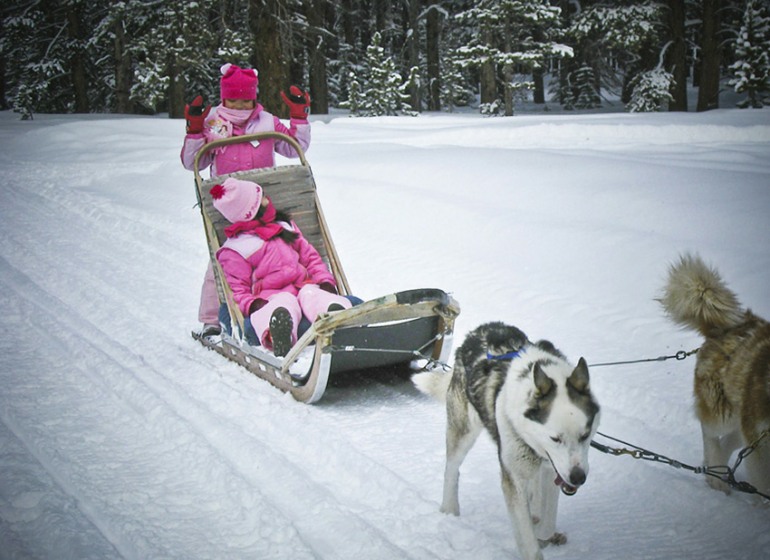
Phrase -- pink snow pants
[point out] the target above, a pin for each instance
(208, 310)
(310, 302)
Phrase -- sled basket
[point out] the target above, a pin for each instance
(394, 329)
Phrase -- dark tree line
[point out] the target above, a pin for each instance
(149, 56)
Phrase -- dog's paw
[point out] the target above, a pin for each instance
(450, 509)
(718, 484)
(557, 539)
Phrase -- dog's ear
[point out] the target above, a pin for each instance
(579, 378)
(543, 383)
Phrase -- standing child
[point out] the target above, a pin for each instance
(238, 114)
(275, 274)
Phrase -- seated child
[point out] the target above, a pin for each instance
(275, 274)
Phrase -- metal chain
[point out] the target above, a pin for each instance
(681, 355)
(724, 473)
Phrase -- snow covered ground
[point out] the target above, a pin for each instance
(120, 437)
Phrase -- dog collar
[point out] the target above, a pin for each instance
(508, 356)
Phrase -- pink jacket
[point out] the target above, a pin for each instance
(257, 269)
(240, 157)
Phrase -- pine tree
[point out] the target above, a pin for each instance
(459, 79)
(751, 71)
(512, 36)
(176, 42)
(149, 56)
(378, 89)
(455, 90)
(585, 94)
(614, 40)
(44, 45)
(650, 90)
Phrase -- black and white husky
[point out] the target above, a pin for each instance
(538, 409)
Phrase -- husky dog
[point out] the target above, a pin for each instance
(539, 411)
(732, 370)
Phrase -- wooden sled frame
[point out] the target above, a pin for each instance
(397, 328)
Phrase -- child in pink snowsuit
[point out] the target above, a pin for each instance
(238, 114)
(275, 274)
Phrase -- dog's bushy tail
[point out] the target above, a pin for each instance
(697, 297)
(434, 383)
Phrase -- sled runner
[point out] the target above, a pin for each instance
(393, 329)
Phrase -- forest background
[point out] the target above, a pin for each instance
(376, 57)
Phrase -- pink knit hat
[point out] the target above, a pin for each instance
(238, 83)
(236, 200)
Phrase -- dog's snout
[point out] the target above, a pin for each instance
(577, 476)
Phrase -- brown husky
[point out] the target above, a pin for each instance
(732, 372)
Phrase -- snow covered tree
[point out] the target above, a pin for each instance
(751, 70)
(584, 88)
(512, 36)
(615, 40)
(117, 42)
(455, 91)
(44, 45)
(149, 56)
(458, 79)
(650, 90)
(177, 42)
(378, 89)
(29, 79)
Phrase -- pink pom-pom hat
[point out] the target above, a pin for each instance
(237, 200)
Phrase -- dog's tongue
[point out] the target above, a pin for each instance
(565, 488)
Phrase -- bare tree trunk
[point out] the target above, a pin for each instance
(315, 11)
(381, 19)
(508, 72)
(708, 92)
(270, 57)
(487, 82)
(123, 102)
(3, 88)
(349, 14)
(677, 55)
(508, 91)
(176, 91)
(538, 71)
(487, 78)
(414, 7)
(539, 93)
(432, 47)
(78, 72)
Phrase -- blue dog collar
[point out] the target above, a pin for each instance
(508, 356)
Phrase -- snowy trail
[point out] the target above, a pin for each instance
(134, 391)
(122, 438)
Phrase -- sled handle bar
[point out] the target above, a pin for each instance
(246, 138)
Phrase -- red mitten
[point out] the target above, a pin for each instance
(298, 101)
(195, 115)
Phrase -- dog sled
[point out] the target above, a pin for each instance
(391, 330)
